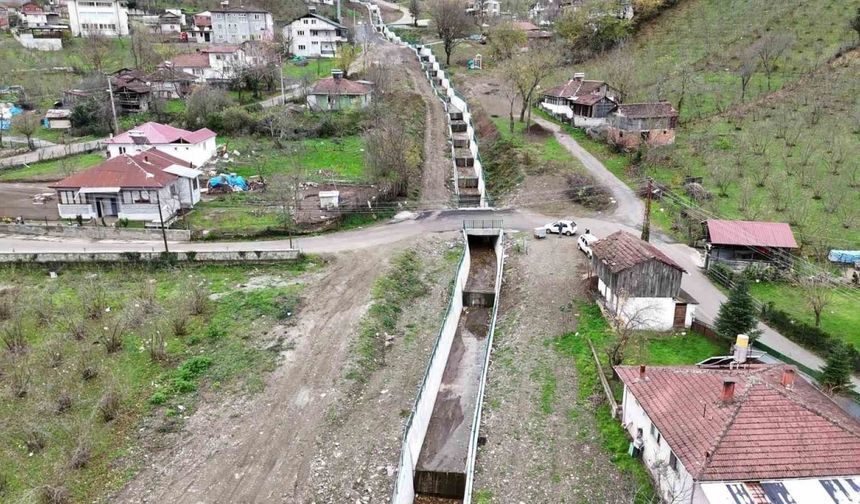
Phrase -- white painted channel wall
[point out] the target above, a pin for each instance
(434, 71)
(416, 426)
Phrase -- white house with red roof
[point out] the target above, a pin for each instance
(130, 186)
(739, 244)
(339, 93)
(217, 63)
(194, 147)
(583, 103)
(755, 434)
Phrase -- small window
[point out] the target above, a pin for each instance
(301, 47)
(673, 461)
(655, 433)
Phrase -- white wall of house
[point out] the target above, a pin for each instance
(675, 485)
(104, 17)
(198, 153)
(312, 38)
(649, 313)
(337, 102)
(59, 123)
(36, 19)
(39, 44)
(238, 27)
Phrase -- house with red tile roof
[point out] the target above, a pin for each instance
(739, 244)
(583, 103)
(213, 64)
(194, 147)
(754, 434)
(338, 93)
(130, 186)
(641, 285)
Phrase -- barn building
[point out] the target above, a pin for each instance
(640, 284)
(739, 244)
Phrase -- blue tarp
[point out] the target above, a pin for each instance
(6, 123)
(230, 180)
(844, 256)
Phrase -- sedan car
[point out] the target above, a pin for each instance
(565, 227)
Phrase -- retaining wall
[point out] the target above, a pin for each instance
(94, 232)
(237, 256)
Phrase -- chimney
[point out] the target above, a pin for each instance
(337, 74)
(788, 376)
(727, 394)
(642, 372)
(312, 9)
(742, 344)
(145, 158)
(579, 76)
(225, 3)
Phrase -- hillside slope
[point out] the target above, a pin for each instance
(789, 153)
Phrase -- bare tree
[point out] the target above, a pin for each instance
(746, 70)
(769, 49)
(722, 178)
(818, 294)
(284, 190)
(452, 24)
(528, 70)
(779, 193)
(95, 50)
(620, 70)
(391, 154)
(414, 11)
(27, 125)
(627, 318)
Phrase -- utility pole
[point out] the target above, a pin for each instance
(281, 72)
(161, 218)
(338, 11)
(646, 221)
(112, 106)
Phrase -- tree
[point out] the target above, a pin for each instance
(855, 22)
(26, 125)
(626, 321)
(738, 314)
(346, 56)
(415, 11)
(95, 50)
(836, 375)
(818, 294)
(452, 24)
(769, 49)
(92, 117)
(528, 70)
(506, 40)
(745, 71)
(391, 154)
(204, 103)
(284, 190)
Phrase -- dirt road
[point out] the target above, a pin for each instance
(17, 200)
(51, 152)
(261, 450)
(541, 446)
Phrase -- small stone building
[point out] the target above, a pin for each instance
(633, 124)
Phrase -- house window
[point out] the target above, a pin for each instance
(173, 192)
(300, 33)
(304, 21)
(655, 433)
(673, 461)
(301, 47)
(195, 183)
(122, 150)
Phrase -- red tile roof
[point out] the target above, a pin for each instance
(145, 169)
(189, 60)
(222, 49)
(766, 432)
(583, 92)
(32, 8)
(341, 86)
(647, 110)
(524, 26)
(622, 250)
(156, 133)
(751, 233)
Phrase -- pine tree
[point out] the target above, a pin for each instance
(836, 375)
(738, 314)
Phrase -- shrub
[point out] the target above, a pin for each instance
(35, 440)
(112, 339)
(158, 398)
(583, 189)
(179, 322)
(109, 405)
(93, 300)
(237, 120)
(15, 336)
(63, 403)
(54, 495)
(197, 298)
(81, 456)
(807, 335)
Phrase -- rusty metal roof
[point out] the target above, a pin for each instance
(621, 250)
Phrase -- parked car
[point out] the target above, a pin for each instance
(565, 227)
(585, 241)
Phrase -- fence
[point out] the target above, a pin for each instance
(95, 232)
(235, 256)
(607, 390)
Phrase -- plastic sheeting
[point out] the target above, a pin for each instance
(236, 182)
(844, 256)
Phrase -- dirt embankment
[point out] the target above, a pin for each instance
(541, 446)
(305, 438)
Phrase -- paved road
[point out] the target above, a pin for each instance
(52, 152)
(38, 142)
(405, 19)
(291, 92)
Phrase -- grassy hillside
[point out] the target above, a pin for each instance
(786, 153)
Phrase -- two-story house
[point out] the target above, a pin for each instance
(195, 147)
(234, 25)
(581, 102)
(33, 15)
(108, 18)
(212, 64)
(314, 36)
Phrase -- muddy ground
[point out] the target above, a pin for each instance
(311, 435)
(540, 446)
(17, 200)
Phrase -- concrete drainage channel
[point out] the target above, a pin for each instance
(437, 457)
(467, 171)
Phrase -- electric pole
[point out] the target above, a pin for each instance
(281, 72)
(161, 218)
(646, 221)
(112, 107)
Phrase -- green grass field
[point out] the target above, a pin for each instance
(315, 69)
(322, 159)
(841, 317)
(54, 169)
(75, 397)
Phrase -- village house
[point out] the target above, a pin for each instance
(131, 91)
(739, 244)
(314, 36)
(32, 15)
(108, 18)
(201, 27)
(489, 8)
(213, 64)
(4, 18)
(234, 25)
(130, 187)
(58, 119)
(752, 434)
(195, 147)
(170, 83)
(338, 93)
(170, 22)
(640, 284)
(582, 103)
(632, 124)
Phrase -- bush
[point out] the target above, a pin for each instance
(81, 456)
(15, 336)
(54, 495)
(237, 120)
(109, 405)
(63, 403)
(584, 190)
(35, 440)
(158, 398)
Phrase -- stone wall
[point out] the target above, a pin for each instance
(94, 232)
(233, 256)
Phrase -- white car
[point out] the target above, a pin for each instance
(565, 227)
(585, 241)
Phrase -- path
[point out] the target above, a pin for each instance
(38, 142)
(52, 152)
(406, 19)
